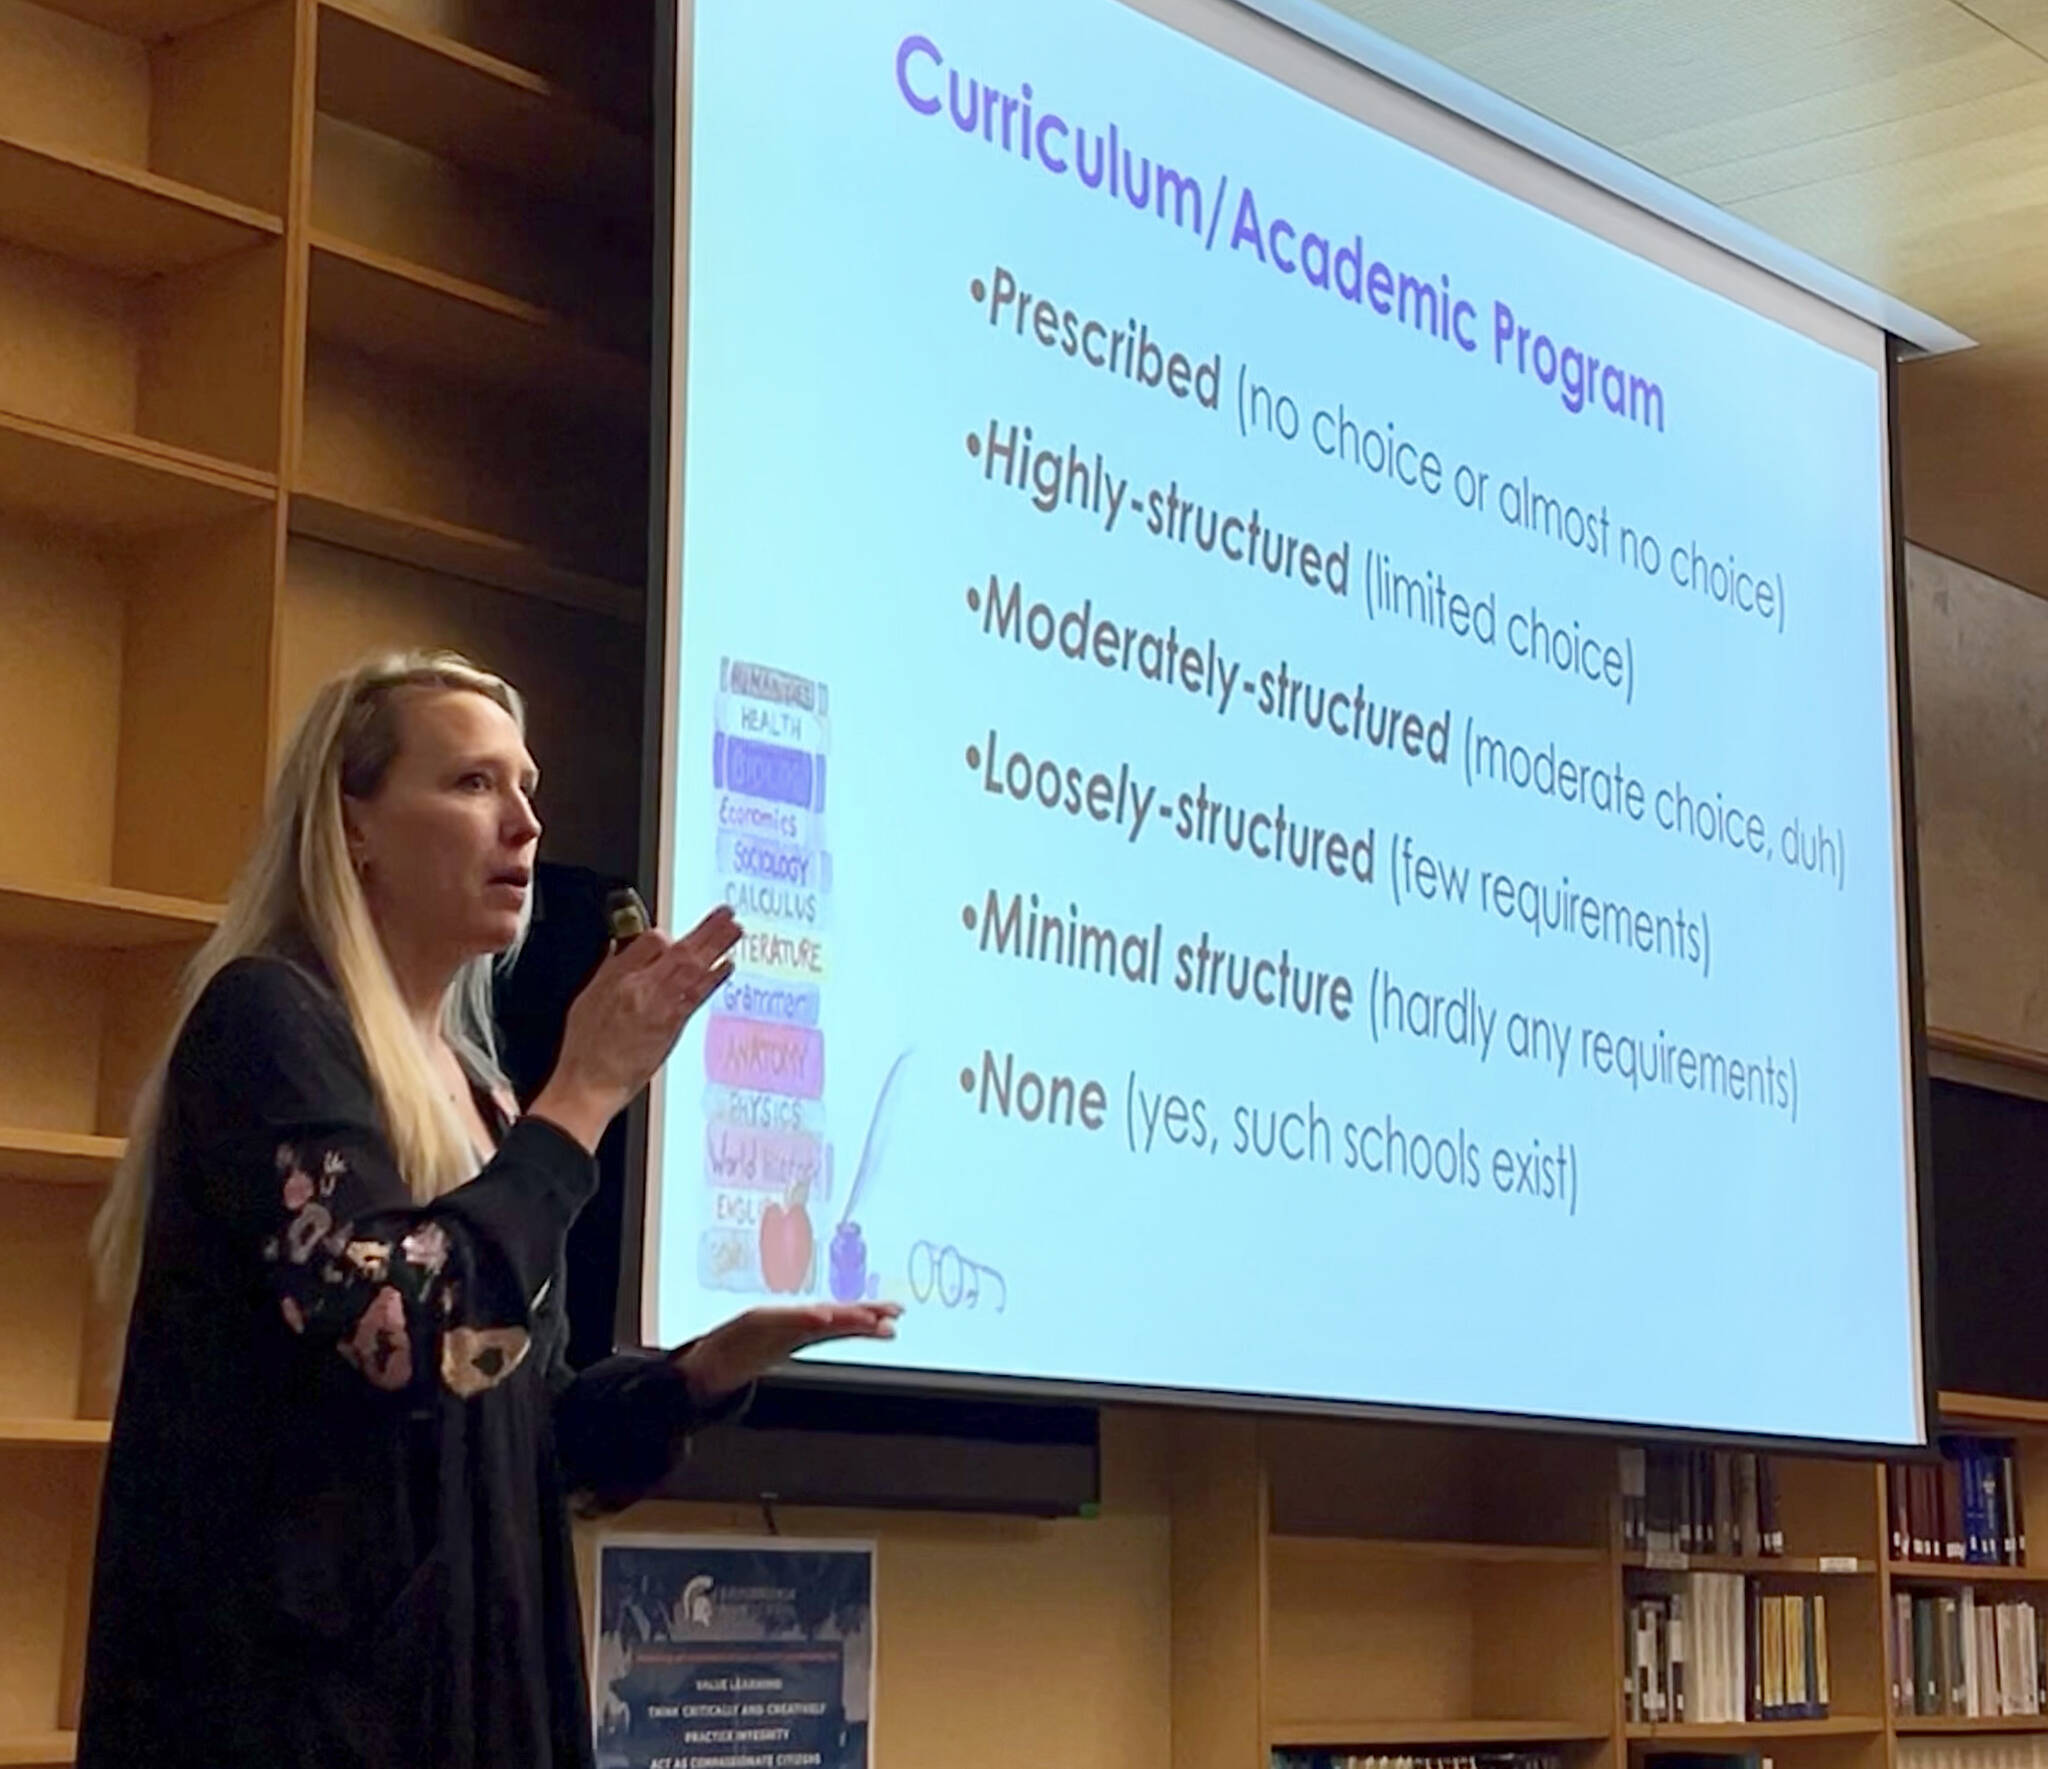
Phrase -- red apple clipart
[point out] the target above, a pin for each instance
(786, 1241)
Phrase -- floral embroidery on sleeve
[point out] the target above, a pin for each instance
(372, 1296)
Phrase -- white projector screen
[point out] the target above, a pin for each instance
(1302, 711)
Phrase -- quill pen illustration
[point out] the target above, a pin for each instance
(849, 1257)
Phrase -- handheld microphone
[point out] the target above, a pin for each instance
(626, 916)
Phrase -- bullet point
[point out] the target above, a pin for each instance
(978, 289)
(974, 755)
(966, 1080)
(974, 444)
(973, 598)
(967, 918)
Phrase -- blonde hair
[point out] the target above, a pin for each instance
(299, 888)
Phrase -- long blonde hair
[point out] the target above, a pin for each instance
(299, 887)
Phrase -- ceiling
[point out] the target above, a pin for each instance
(1904, 141)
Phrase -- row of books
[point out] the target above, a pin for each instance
(1720, 1649)
(1955, 1655)
(1971, 1753)
(1699, 1502)
(1968, 1508)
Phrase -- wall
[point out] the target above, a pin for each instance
(1979, 651)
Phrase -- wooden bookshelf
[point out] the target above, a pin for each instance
(117, 217)
(58, 1157)
(454, 101)
(313, 347)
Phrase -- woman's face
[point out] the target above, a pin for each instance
(445, 848)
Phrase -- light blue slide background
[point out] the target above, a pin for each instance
(1724, 1267)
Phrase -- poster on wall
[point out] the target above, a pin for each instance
(724, 1652)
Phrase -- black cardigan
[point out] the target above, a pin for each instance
(334, 1529)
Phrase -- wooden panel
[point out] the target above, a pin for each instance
(580, 677)
(1397, 1644)
(408, 313)
(1433, 1485)
(45, 1509)
(43, 1284)
(199, 613)
(72, 86)
(114, 217)
(58, 1157)
(221, 113)
(463, 105)
(69, 343)
(1220, 1509)
(60, 706)
(51, 1011)
(213, 359)
(1979, 654)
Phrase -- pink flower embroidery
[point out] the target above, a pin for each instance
(380, 1347)
(298, 1190)
(305, 1231)
(294, 1316)
(427, 1247)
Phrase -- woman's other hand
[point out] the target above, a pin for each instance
(749, 1345)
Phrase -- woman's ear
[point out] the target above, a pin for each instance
(352, 829)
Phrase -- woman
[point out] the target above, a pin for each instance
(335, 1526)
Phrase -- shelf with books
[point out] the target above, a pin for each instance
(115, 217)
(55, 1157)
(1366, 1734)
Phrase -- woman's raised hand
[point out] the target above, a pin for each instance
(622, 1027)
